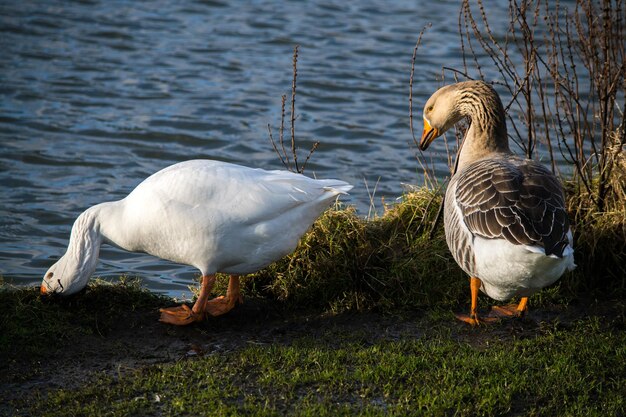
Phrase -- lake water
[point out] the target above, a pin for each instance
(97, 95)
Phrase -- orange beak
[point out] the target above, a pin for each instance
(43, 289)
(428, 135)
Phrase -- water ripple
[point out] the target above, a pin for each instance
(97, 95)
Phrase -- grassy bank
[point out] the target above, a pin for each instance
(357, 321)
(391, 262)
(575, 370)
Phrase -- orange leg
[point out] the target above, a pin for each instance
(510, 310)
(182, 314)
(522, 308)
(473, 319)
(222, 305)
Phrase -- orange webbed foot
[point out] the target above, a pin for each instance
(473, 320)
(510, 310)
(179, 316)
(504, 311)
(221, 305)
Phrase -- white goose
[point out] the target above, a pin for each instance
(505, 218)
(215, 216)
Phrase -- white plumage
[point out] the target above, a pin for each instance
(508, 270)
(215, 216)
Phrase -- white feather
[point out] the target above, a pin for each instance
(507, 270)
(216, 216)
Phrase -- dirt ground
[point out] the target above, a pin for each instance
(138, 340)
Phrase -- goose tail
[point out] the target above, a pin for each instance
(337, 187)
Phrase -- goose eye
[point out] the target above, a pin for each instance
(429, 108)
(50, 275)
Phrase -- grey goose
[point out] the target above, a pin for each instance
(504, 216)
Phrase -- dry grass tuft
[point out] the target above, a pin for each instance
(390, 263)
(347, 262)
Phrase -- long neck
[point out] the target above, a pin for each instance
(114, 227)
(84, 246)
(487, 132)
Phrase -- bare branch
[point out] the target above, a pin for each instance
(313, 149)
(269, 128)
(417, 44)
(293, 108)
(282, 131)
(282, 151)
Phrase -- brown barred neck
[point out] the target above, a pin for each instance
(480, 102)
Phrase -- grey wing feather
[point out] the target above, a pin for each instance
(518, 200)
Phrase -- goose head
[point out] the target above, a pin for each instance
(65, 277)
(440, 114)
(476, 100)
(72, 271)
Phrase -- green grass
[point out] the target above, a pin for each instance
(577, 371)
(388, 265)
(33, 325)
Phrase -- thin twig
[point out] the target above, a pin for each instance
(313, 148)
(417, 44)
(293, 108)
(282, 151)
(283, 99)
(456, 71)
(269, 128)
(417, 156)
(371, 195)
